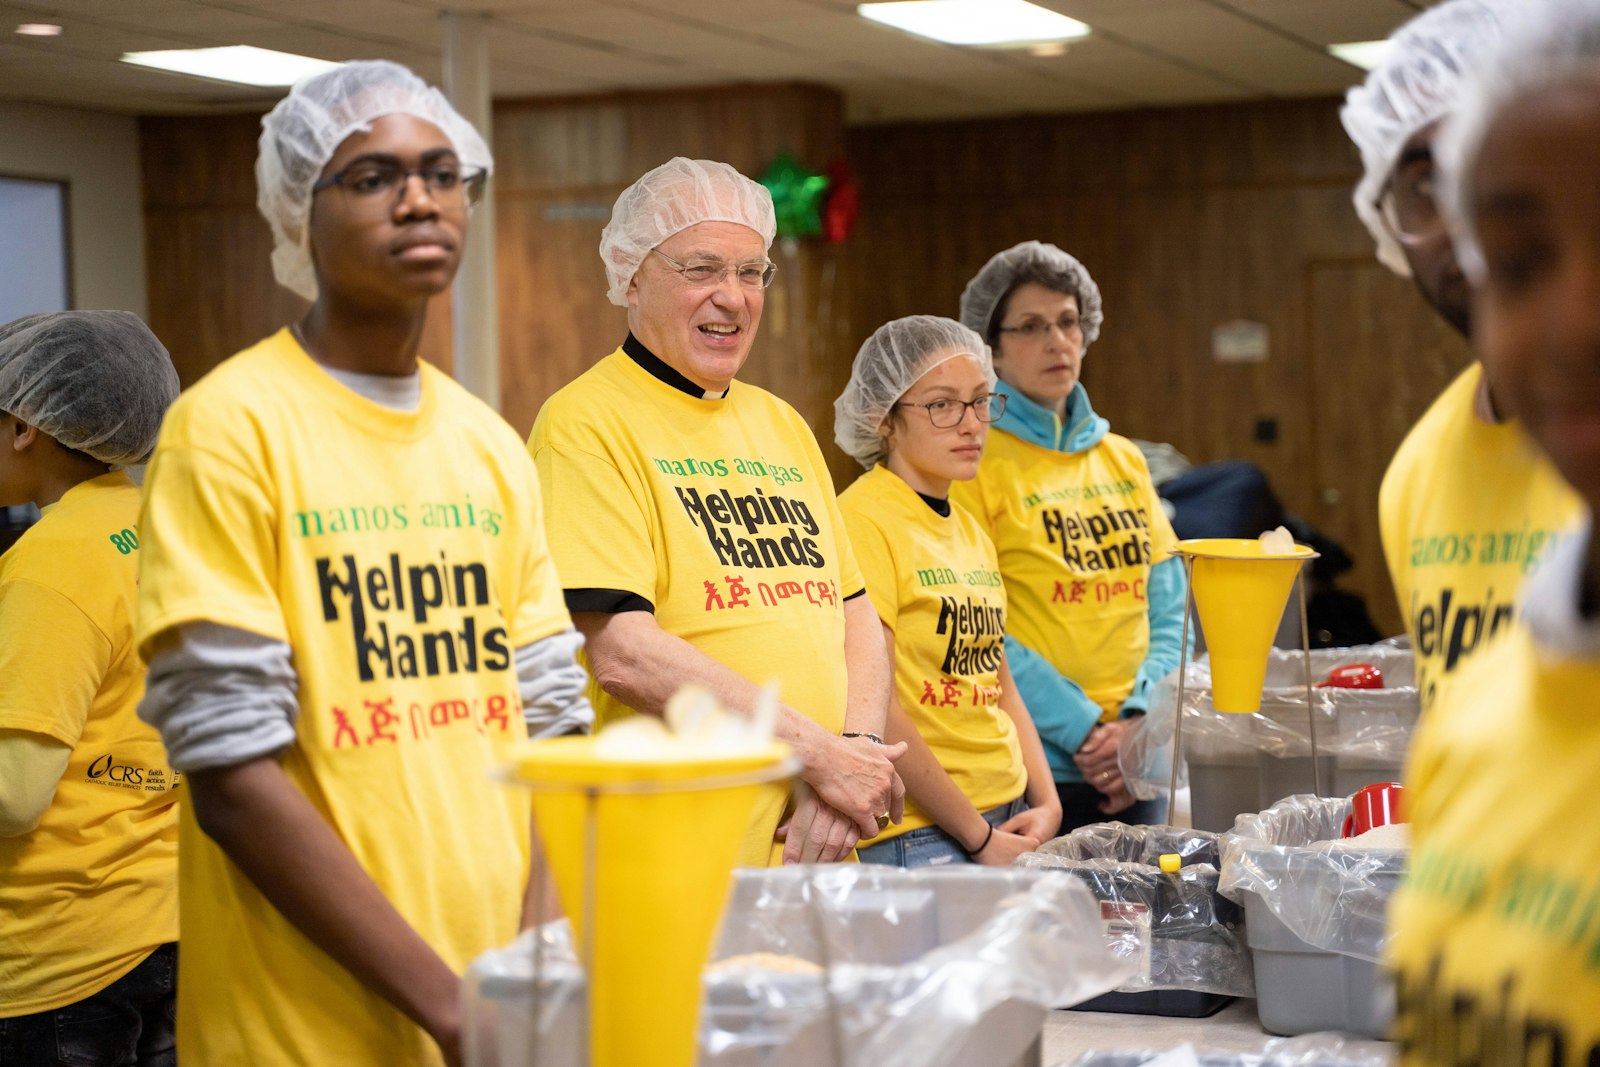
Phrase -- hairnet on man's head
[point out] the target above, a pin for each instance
(889, 363)
(1030, 261)
(1417, 84)
(96, 381)
(1555, 43)
(300, 135)
(674, 196)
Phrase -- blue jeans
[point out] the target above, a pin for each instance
(931, 846)
(129, 1023)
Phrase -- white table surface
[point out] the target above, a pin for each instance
(1069, 1034)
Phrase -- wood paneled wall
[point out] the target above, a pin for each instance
(1187, 219)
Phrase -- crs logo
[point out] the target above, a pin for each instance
(108, 768)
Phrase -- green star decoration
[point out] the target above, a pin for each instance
(797, 196)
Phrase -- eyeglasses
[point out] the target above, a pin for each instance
(1038, 329)
(1408, 207)
(375, 181)
(713, 272)
(947, 414)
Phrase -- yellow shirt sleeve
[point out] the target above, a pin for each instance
(212, 548)
(541, 611)
(597, 529)
(876, 559)
(52, 661)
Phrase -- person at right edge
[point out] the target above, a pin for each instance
(1468, 505)
(1496, 928)
(1094, 594)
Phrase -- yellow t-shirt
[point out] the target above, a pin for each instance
(1466, 510)
(935, 582)
(1497, 926)
(1077, 534)
(401, 556)
(721, 514)
(92, 890)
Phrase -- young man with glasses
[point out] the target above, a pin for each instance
(351, 616)
(694, 522)
(1094, 595)
(1468, 506)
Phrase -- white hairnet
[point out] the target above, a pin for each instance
(674, 196)
(890, 362)
(1417, 83)
(300, 135)
(1555, 42)
(1031, 261)
(96, 381)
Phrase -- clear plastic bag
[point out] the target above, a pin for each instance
(874, 967)
(1333, 897)
(1176, 928)
(1372, 726)
(1309, 1050)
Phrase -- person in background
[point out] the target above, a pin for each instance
(694, 521)
(1094, 595)
(915, 414)
(350, 615)
(88, 803)
(1495, 938)
(1468, 505)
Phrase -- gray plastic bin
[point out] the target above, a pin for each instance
(1315, 917)
(1239, 764)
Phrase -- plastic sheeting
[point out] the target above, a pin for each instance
(1333, 897)
(1176, 927)
(941, 968)
(1370, 726)
(1311, 1050)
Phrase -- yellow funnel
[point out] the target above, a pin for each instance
(1239, 592)
(664, 836)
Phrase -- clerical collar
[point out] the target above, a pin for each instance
(938, 505)
(659, 370)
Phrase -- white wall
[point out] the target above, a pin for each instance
(98, 156)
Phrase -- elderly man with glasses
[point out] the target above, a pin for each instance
(693, 520)
(1468, 504)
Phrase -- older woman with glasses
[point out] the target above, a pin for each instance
(915, 414)
(1095, 596)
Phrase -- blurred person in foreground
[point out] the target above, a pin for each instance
(1496, 935)
(694, 521)
(350, 615)
(88, 801)
(1468, 505)
(915, 413)
(1094, 594)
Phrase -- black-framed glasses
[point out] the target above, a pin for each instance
(947, 414)
(1038, 329)
(378, 181)
(714, 272)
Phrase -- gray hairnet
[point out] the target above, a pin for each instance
(1417, 83)
(300, 135)
(890, 362)
(1031, 261)
(1555, 43)
(96, 381)
(674, 196)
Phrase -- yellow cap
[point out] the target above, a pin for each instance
(1171, 862)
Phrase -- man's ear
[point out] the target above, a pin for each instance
(19, 434)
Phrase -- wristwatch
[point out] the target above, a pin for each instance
(874, 738)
